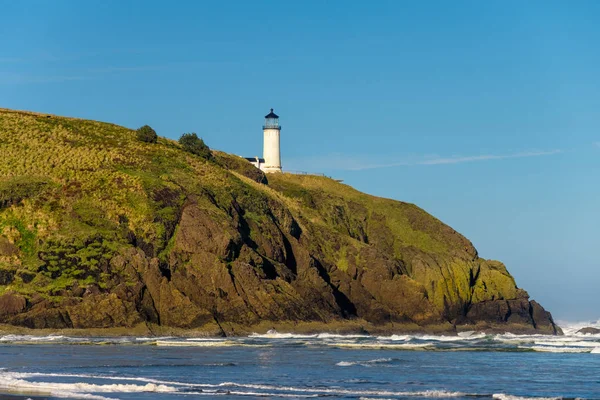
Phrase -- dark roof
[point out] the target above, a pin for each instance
(254, 159)
(271, 115)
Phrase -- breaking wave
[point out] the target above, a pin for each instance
(17, 382)
(100, 387)
(22, 383)
(368, 363)
(571, 342)
(502, 396)
(550, 349)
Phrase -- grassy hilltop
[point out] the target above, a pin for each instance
(100, 230)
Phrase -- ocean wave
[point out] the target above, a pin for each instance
(185, 343)
(15, 382)
(60, 339)
(389, 346)
(550, 349)
(277, 335)
(226, 387)
(338, 391)
(264, 394)
(463, 341)
(83, 390)
(25, 375)
(545, 340)
(502, 396)
(368, 363)
(251, 394)
(425, 393)
(152, 338)
(396, 338)
(272, 334)
(460, 337)
(341, 336)
(571, 343)
(445, 338)
(31, 338)
(206, 343)
(571, 328)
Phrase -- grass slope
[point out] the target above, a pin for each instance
(71, 192)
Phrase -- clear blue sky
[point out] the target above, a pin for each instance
(486, 114)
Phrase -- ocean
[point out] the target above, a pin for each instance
(284, 366)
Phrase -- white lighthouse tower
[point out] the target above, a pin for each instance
(271, 149)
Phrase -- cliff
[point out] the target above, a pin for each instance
(99, 230)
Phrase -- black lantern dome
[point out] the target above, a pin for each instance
(271, 121)
(272, 115)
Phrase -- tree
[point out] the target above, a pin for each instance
(147, 134)
(193, 144)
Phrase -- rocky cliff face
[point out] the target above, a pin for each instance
(106, 232)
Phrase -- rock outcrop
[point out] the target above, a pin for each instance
(589, 331)
(147, 234)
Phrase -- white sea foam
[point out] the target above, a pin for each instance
(263, 394)
(425, 393)
(25, 375)
(146, 339)
(340, 336)
(445, 338)
(277, 335)
(463, 341)
(268, 390)
(549, 349)
(17, 382)
(571, 328)
(87, 396)
(346, 363)
(460, 337)
(509, 338)
(502, 396)
(391, 346)
(396, 338)
(574, 343)
(170, 384)
(31, 338)
(368, 363)
(205, 343)
(337, 391)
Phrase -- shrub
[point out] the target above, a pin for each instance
(193, 144)
(147, 134)
(15, 189)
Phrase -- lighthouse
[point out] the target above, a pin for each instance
(271, 146)
(271, 159)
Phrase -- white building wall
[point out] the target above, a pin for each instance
(271, 151)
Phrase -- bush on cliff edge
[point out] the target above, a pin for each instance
(147, 134)
(193, 144)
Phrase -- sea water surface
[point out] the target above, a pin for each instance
(282, 366)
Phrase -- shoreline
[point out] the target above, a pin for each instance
(214, 330)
